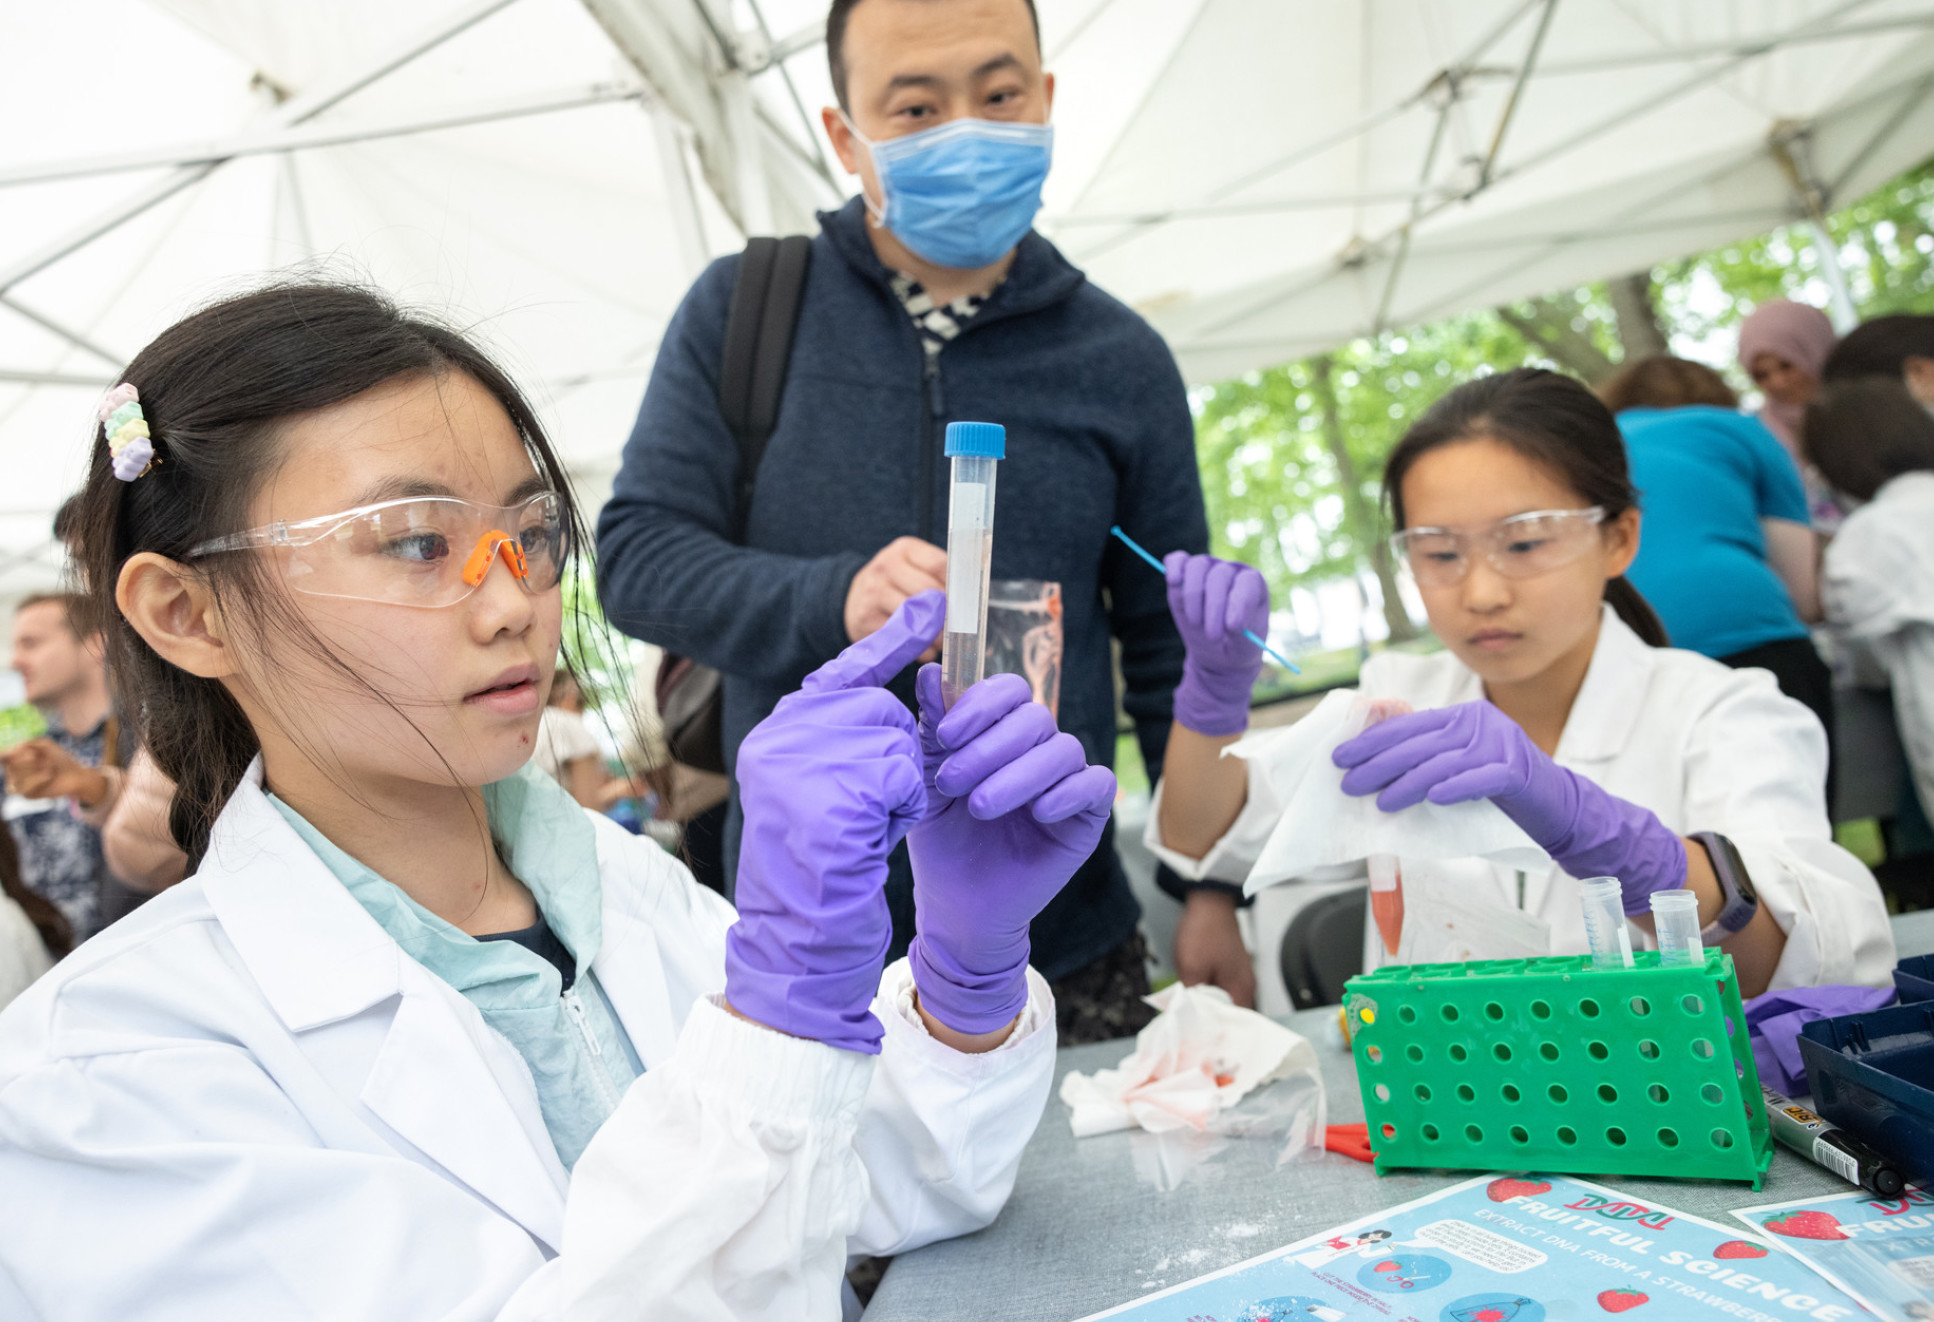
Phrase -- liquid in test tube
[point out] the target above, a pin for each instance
(974, 447)
(1386, 899)
(1605, 926)
(1675, 914)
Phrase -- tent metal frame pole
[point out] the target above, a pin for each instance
(1349, 132)
(326, 135)
(1517, 93)
(1237, 315)
(774, 64)
(1734, 49)
(295, 111)
(687, 223)
(22, 377)
(52, 327)
(1788, 144)
(798, 41)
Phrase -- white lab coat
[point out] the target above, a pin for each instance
(1879, 595)
(245, 1101)
(1705, 747)
(23, 957)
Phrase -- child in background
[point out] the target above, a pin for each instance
(420, 1037)
(1552, 698)
(1875, 442)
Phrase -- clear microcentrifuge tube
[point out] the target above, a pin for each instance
(974, 447)
(1605, 926)
(1675, 914)
(1386, 899)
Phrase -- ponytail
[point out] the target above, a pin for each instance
(1631, 606)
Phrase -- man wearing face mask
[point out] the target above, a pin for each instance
(928, 299)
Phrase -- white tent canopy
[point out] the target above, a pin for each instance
(1263, 178)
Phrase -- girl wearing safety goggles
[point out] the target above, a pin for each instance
(419, 1036)
(1555, 697)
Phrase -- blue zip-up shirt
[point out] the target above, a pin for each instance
(1099, 432)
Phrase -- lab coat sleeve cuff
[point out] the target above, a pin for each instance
(768, 1074)
(1826, 902)
(897, 1012)
(1231, 858)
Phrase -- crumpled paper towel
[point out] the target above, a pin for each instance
(1320, 826)
(1200, 1056)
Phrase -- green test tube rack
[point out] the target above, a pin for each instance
(1553, 1065)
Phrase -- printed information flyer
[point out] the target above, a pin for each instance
(1519, 1248)
(1879, 1250)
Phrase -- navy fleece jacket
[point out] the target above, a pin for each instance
(1098, 433)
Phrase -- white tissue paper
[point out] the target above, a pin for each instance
(1320, 826)
(1201, 1056)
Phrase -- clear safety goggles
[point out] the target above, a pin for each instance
(1522, 546)
(426, 551)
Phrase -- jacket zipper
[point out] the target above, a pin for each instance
(932, 405)
(606, 1091)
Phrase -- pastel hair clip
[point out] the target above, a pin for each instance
(128, 440)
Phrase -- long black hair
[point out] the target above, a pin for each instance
(1552, 420)
(214, 387)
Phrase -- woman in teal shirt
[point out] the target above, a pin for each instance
(1728, 559)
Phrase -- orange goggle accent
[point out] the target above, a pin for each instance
(486, 550)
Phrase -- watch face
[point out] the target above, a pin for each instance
(1733, 864)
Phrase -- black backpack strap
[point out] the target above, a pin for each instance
(759, 330)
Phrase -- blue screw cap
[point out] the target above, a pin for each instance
(985, 439)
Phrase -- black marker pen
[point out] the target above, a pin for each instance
(1824, 1143)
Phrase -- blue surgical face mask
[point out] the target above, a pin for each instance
(962, 194)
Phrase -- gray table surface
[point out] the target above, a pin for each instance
(1083, 1232)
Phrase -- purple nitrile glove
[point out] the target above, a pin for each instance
(1213, 601)
(830, 783)
(1013, 808)
(1475, 751)
(1774, 1020)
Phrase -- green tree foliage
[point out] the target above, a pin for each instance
(1275, 495)
(1886, 243)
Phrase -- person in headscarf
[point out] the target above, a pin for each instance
(1783, 347)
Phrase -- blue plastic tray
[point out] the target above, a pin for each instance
(1914, 978)
(1873, 1075)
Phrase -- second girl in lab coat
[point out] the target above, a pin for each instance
(1554, 697)
(1874, 442)
(420, 1037)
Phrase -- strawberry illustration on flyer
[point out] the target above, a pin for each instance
(1513, 1248)
(1879, 1250)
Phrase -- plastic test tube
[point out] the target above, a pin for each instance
(1676, 916)
(1386, 899)
(974, 447)
(1605, 927)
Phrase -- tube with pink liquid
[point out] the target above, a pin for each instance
(1386, 874)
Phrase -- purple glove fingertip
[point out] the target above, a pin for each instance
(867, 662)
(830, 783)
(984, 863)
(1213, 601)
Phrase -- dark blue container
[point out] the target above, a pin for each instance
(1914, 978)
(1873, 1075)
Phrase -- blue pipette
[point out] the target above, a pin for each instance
(1162, 569)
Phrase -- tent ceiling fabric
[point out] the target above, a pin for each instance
(1263, 178)
(1301, 172)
